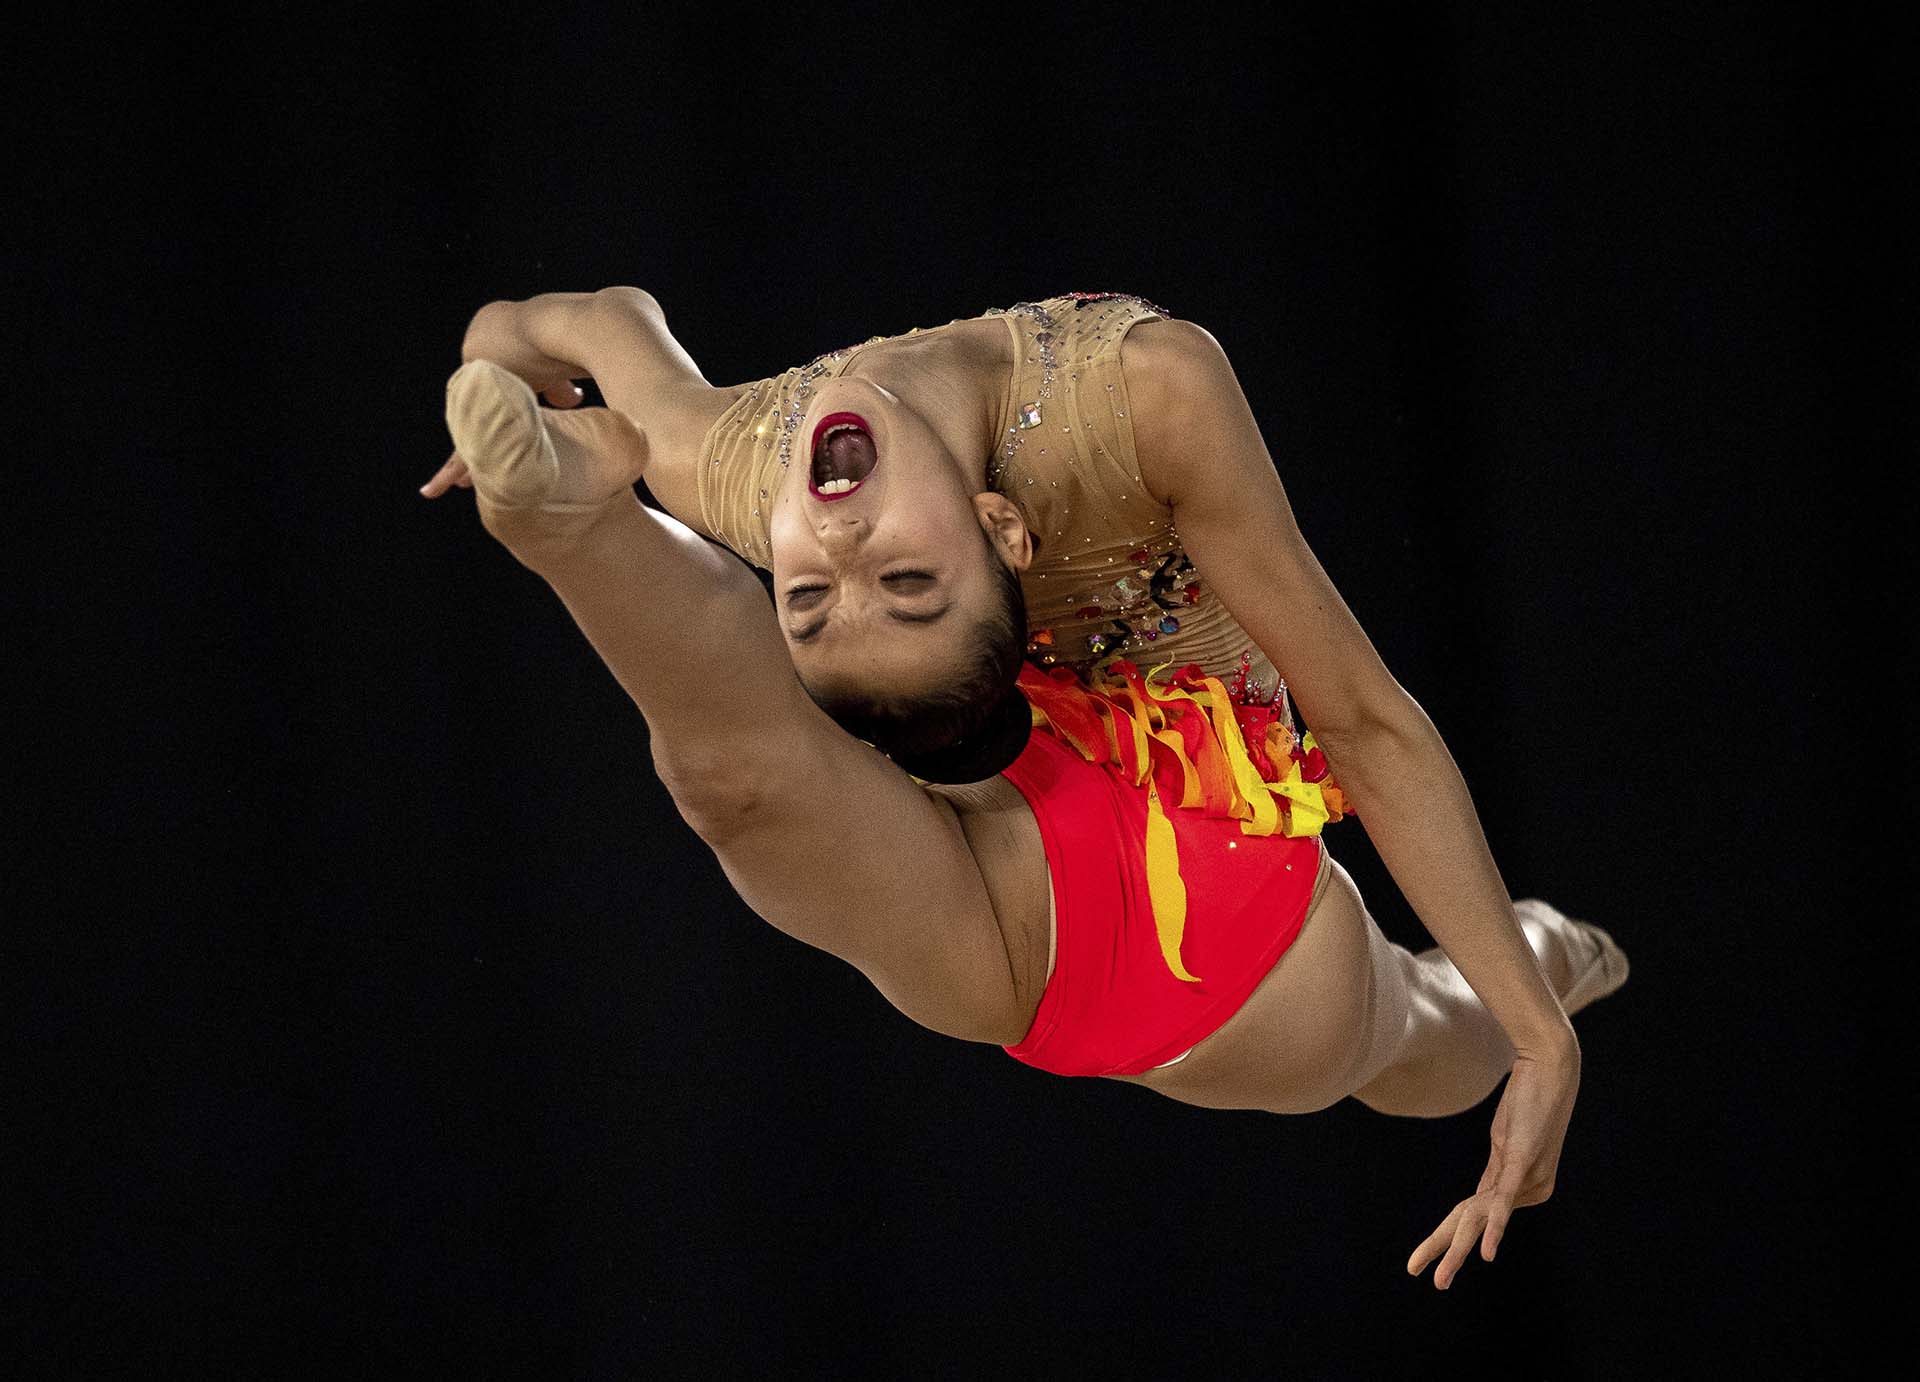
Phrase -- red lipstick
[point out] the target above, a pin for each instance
(820, 429)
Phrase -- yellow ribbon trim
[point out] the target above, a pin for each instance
(1165, 887)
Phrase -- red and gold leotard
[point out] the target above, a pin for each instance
(1180, 819)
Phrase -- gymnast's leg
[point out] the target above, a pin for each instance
(822, 836)
(1451, 1053)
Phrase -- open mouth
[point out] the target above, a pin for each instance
(843, 455)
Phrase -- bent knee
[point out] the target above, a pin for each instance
(714, 797)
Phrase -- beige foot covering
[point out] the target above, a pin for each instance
(1607, 972)
(495, 423)
(1605, 969)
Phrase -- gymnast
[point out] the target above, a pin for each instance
(1011, 736)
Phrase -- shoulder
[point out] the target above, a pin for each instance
(1161, 354)
(1178, 380)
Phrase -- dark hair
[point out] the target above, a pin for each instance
(973, 725)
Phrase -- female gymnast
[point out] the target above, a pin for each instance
(938, 755)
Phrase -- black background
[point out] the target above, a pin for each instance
(374, 1007)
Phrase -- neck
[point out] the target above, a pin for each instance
(950, 384)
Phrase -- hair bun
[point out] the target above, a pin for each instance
(989, 750)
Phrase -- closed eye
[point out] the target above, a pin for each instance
(894, 579)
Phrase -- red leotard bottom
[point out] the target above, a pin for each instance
(1113, 1006)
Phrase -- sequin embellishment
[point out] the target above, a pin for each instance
(797, 404)
(1085, 298)
(1138, 606)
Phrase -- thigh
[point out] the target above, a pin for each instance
(1392, 1014)
(833, 844)
(1292, 1046)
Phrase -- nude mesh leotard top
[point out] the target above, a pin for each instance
(1108, 578)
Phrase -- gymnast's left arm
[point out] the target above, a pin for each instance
(1199, 444)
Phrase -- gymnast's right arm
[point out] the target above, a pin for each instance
(617, 337)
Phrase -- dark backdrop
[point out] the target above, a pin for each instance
(375, 1007)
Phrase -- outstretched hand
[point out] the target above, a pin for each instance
(1529, 1128)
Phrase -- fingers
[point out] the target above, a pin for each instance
(1465, 1231)
(454, 472)
(1435, 1242)
(1455, 1238)
(565, 394)
(1496, 1230)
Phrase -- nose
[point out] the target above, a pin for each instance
(842, 535)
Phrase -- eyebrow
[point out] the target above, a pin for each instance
(809, 631)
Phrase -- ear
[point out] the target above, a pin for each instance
(1004, 528)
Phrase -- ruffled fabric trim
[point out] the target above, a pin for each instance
(1222, 757)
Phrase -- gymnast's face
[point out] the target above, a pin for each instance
(881, 547)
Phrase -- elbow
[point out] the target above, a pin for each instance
(622, 298)
(1390, 718)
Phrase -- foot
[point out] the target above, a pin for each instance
(1581, 961)
(522, 456)
(495, 422)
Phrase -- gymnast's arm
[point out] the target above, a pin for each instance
(618, 338)
(1235, 522)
